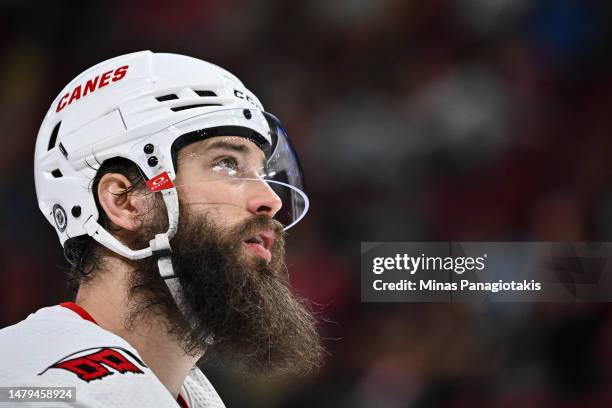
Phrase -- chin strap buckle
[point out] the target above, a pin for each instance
(160, 248)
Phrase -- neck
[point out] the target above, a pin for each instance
(106, 299)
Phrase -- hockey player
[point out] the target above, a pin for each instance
(170, 189)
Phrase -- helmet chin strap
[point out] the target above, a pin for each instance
(158, 246)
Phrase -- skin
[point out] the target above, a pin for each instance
(206, 181)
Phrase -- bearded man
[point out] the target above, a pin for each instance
(170, 189)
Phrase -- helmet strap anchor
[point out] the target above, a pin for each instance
(158, 246)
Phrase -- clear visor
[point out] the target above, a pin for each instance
(232, 168)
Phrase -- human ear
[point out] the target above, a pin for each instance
(121, 206)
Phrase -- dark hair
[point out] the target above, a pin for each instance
(83, 252)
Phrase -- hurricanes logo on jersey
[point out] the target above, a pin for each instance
(97, 365)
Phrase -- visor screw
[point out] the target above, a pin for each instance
(148, 149)
(247, 113)
(76, 211)
(152, 161)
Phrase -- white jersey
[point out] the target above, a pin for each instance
(62, 346)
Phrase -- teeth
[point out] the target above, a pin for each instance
(256, 240)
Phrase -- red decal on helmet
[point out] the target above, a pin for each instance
(160, 182)
(105, 79)
(62, 103)
(92, 85)
(76, 94)
(120, 73)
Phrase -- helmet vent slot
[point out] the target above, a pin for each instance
(56, 173)
(199, 105)
(53, 137)
(168, 97)
(205, 93)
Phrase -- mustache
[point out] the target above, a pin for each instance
(257, 223)
(232, 237)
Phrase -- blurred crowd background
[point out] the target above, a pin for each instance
(415, 121)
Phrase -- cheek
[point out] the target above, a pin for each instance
(223, 202)
(210, 192)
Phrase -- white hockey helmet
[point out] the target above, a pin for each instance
(143, 107)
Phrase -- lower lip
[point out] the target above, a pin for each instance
(260, 251)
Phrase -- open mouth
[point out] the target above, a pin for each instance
(260, 244)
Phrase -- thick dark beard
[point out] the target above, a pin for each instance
(238, 309)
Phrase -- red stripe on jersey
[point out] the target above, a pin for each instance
(181, 401)
(78, 310)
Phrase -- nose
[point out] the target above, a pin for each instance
(263, 200)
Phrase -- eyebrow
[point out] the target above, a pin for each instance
(229, 146)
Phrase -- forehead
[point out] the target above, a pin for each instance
(235, 144)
